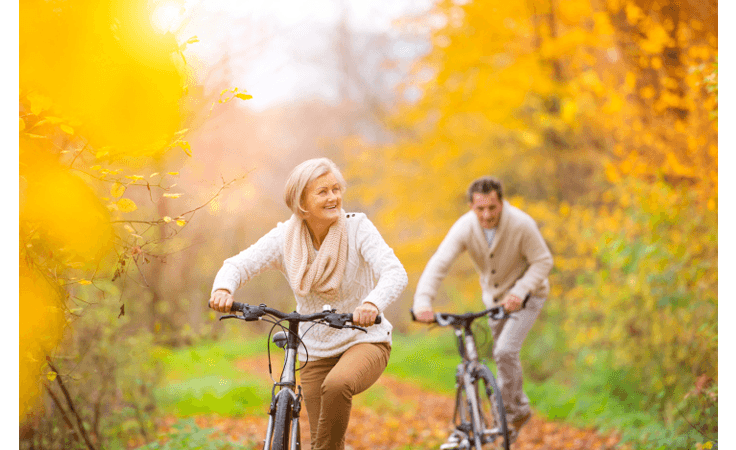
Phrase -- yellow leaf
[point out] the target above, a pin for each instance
(22, 124)
(51, 376)
(126, 205)
(648, 92)
(167, 219)
(85, 282)
(186, 147)
(134, 177)
(129, 228)
(67, 129)
(181, 222)
(173, 173)
(153, 174)
(117, 190)
(167, 195)
(39, 103)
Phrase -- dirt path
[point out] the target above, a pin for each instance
(403, 416)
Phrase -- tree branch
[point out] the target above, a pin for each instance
(63, 412)
(224, 186)
(69, 402)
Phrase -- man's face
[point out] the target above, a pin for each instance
(488, 208)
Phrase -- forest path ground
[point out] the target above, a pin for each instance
(400, 416)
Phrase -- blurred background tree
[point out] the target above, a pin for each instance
(601, 118)
(102, 129)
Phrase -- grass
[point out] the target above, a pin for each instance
(186, 435)
(428, 359)
(205, 379)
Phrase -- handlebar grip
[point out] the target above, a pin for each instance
(378, 320)
(237, 306)
(250, 313)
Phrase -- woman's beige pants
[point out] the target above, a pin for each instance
(329, 385)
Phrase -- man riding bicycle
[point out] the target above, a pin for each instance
(513, 262)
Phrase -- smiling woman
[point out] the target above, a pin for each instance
(328, 257)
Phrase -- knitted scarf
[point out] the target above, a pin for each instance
(318, 272)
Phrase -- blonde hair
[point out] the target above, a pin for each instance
(302, 175)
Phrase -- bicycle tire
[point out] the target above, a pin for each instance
(492, 409)
(465, 416)
(282, 423)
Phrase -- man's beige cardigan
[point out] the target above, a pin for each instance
(517, 262)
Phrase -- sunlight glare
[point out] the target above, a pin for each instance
(167, 16)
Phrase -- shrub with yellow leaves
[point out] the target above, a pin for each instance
(600, 119)
(99, 100)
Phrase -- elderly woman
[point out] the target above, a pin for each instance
(328, 257)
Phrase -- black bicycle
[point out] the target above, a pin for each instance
(480, 417)
(283, 431)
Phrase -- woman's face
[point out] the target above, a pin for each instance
(323, 199)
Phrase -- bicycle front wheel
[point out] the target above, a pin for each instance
(496, 434)
(282, 423)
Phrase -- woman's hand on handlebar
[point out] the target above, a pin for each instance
(221, 301)
(365, 314)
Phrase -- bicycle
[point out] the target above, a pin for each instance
(478, 419)
(283, 430)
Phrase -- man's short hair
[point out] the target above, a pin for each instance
(485, 185)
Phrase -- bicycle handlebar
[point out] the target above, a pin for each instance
(328, 316)
(445, 319)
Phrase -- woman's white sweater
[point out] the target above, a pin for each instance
(373, 274)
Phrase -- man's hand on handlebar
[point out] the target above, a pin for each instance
(426, 316)
(221, 301)
(512, 303)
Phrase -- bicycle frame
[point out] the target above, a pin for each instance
(466, 378)
(469, 417)
(287, 382)
(286, 403)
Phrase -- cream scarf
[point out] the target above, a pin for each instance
(309, 271)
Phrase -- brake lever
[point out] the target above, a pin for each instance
(355, 327)
(243, 317)
(232, 316)
(499, 314)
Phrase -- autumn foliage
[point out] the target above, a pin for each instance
(601, 118)
(99, 100)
